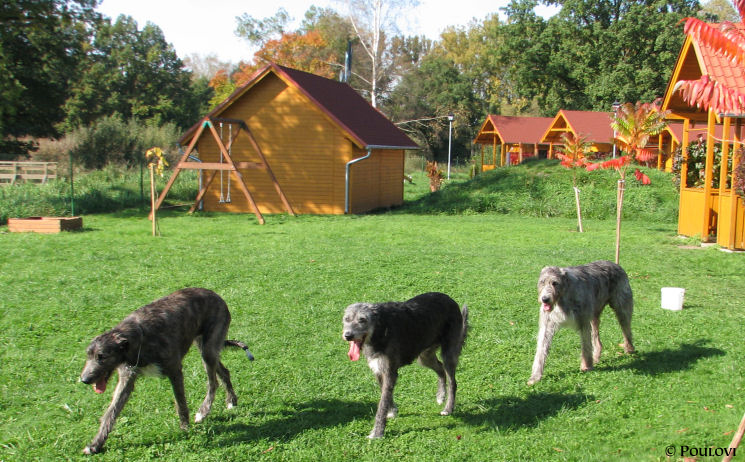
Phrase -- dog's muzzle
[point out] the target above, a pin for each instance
(547, 303)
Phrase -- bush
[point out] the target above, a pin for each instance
(697, 165)
(111, 140)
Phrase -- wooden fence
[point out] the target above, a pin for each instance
(38, 172)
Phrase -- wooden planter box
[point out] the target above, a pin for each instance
(44, 224)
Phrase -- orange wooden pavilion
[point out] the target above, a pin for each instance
(511, 138)
(716, 214)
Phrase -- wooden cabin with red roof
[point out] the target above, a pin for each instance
(329, 149)
(593, 126)
(712, 211)
(517, 138)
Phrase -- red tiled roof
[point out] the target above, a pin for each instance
(595, 126)
(365, 125)
(514, 129)
(719, 68)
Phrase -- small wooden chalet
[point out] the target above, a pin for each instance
(329, 149)
(594, 126)
(511, 138)
(712, 211)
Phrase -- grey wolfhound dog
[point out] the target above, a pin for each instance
(394, 334)
(154, 339)
(576, 296)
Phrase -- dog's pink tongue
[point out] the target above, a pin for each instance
(354, 350)
(546, 307)
(100, 386)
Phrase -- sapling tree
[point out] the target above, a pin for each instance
(572, 156)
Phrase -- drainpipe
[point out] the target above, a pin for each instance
(346, 181)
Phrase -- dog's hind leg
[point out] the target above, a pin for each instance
(597, 346)
(210, 366)
(231, 399)
(451, 362)
(623, 315)
(585, 332)
(123, 390)
(622, 303)
(429, 359)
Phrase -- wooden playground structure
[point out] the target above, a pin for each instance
(225, 164)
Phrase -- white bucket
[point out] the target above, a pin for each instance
(672, 298)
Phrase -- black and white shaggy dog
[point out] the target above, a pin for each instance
(394, 334)
(155, 339)
(576, 296)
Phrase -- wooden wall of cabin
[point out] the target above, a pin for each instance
(378, 181)
(304, 149)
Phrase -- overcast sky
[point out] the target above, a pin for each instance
(207, 27)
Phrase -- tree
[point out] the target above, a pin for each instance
(136, 74)
(259, 31)
(718, 11)
(592, 52)
(373, 21)
(304, 51)
(728, 40)
(41, 45)
(634, 124)
(318, 46)
(419, 104)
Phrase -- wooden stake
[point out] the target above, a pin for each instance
(579, 210)
(619, 207)
(736, 440)
(152, 194)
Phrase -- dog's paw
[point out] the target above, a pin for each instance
(392, 413)
(374, 436)
(198, 417)
(91, 450)
(444, 413)
(533, 380)
(230, 406)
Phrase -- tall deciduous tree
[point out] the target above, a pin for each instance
(373, 21)
(592, 53)
(136, 74)
(425, 96)
(41, 44)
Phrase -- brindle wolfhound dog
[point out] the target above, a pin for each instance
(576, 296)
(155, 339)
(394, 334)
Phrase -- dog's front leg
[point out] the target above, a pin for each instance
(388, 378)
(177, 382)
(123, 390)
(545, 335)
(585, 332)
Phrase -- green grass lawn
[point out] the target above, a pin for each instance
(287, 284)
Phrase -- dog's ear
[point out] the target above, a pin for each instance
(121, 340)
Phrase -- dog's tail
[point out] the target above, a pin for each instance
(239, 344)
